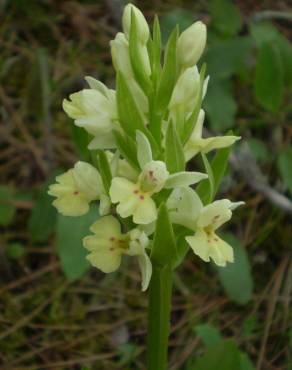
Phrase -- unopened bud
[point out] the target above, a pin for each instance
(186, 89)
(142, 25)
(120, 55)
(191, 44)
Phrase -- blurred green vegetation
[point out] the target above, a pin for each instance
(54, 312)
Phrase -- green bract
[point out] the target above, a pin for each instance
(141, 136)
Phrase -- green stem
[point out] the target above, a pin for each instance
(159, 309)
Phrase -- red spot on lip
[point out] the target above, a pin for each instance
(142, 197)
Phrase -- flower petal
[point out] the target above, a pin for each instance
(199, 244)
(93, 101)
(144, 152)
(184, 207)
(221, 252)
(92, 243)
(104, 205)
(106, 227)
(138, 242)
(127, 207)
(146, 270)
(215, 214)
(219, 142)
(88, 180)
(103, 141)
(208, 246)
(95, 124)
(184, 178)
(145, 212)
(105, 260)
(71, 205)
(121, 189)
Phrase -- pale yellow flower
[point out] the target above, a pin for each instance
(96, 112)
(133, 201)
(109, 244)
(75, 189)
(186, 209)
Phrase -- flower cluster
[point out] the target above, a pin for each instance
(141, 137)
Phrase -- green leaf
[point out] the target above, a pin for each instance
(38, 90)
(263, 32)
(182, 246)
(285, 165)
(269, 77)
(130, 116)
(174, 155)
(206, 190)
(80, 140)
(209, 334)
(144, 152)
(15, 250)
(226, 17)
(192, 120)
(177, 16)
(42, 220)
(220, 106)
(70, 232)
(104, 169)
(7, 208)
(127, 148)
(225, 353)
(236, 278)
(169, 73)
(259, 150)
(164, 247)
(285, 48)
(218, 166)
(156, 52)
(137, 57)
(225, 58)
(245, 362)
